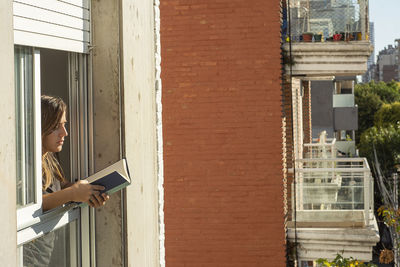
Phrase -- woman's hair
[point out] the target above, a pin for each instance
(53, 109)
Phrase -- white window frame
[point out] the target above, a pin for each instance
(26, 214)
(32, 222)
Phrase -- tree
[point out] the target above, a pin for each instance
(379, 141)
(387, 114)
(370, 97)
(386, 141)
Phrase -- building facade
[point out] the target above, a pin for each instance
(371, 66)
(388, 63)
(222, 122)
(103, 59)
(219, 160)
(329, 190)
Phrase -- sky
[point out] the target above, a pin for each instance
(386, 16)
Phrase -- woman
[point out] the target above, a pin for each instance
(56, 190)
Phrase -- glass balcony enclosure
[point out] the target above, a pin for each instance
(327, 20)
(332, 189)
(345, 100)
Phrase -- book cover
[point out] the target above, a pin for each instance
(113, 178)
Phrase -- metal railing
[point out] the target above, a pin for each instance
(328, 20)
(320, 150)
(334, 184)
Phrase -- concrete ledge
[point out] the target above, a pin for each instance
(329, 216)
(326, 242)
(329, 58)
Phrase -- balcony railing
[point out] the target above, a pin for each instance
(320, 150)
(346, 147)
(333, 190)
(328, 20)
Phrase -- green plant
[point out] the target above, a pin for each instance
(392, 218)
(340, 261)
(386, 141)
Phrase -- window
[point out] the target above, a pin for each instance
(28, 132)
(67, 229)
(25, 141)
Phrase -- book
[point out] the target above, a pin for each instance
(113, 178)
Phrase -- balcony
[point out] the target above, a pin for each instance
(346, 147)
(334, 191)
(332, 204)
(327, 38)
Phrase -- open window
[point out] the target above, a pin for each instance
(67, 229)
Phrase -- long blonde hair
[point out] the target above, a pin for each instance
(53, 108)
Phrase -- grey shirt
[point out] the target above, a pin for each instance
(37, 253)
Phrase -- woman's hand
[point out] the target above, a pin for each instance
(82, 191)
(98, 200)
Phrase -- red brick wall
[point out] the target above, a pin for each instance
(222, 122)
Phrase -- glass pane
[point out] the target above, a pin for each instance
(58, 248)
(23, 64)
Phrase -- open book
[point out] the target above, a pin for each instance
(113, 178)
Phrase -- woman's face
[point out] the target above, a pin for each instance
(55, 140)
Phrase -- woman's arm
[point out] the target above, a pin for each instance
(80, 191)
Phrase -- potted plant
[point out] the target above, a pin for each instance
(317, 37)
(337, 37)
(307, 36)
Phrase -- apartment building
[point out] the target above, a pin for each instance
(388, 64)
(103, 58)
(222, 169)
(330, 192)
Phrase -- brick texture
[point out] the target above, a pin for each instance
(222, 130)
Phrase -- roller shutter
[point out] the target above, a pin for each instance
(61, 25)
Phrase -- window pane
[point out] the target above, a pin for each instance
(58, 248)
(23, 64)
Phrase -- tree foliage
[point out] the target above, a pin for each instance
(379, 131)
(386, 141)
(370, 97)
(388, 114)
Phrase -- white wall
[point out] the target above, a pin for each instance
(8, 222)
(106, 119)
(124, 65)
(139, 83)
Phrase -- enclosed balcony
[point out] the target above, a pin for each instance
(327, 37)
(332, 205)
(334, 190)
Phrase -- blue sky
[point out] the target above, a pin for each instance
(386, 16)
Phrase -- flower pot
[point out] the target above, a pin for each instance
(317, 37)
(337, 37)
(307, 37)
